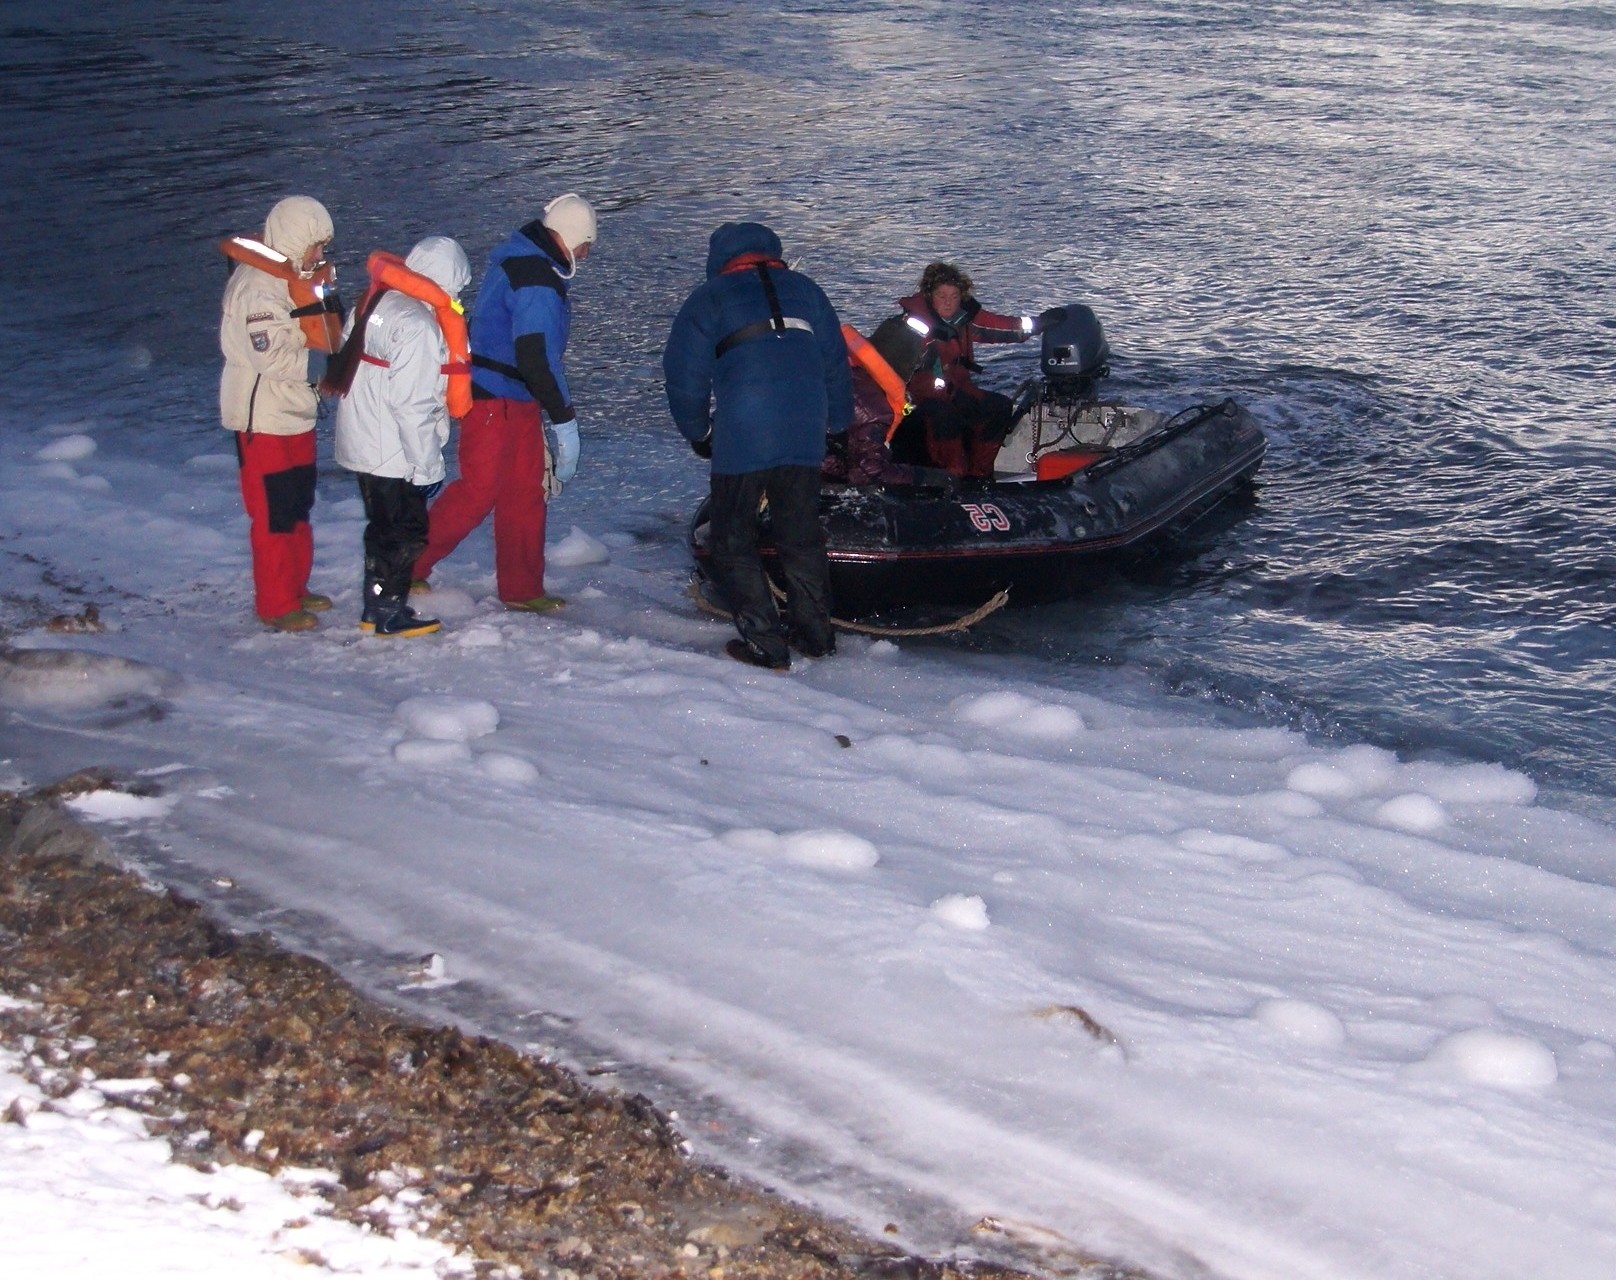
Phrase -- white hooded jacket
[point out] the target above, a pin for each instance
(265, 385)
(393, 421)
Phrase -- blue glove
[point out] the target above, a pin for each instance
(566, 459)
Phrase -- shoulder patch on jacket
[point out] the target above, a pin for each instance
(260, 341)
(532, 270)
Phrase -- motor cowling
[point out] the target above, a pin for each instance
(1074, 348)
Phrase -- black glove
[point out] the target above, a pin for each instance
(703, 448)
(1048, 319)
(836, 445)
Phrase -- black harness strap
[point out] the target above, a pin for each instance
(777, 323)
(331, 304)
(496, 366)
(478, 391)
(744, 334)
(776, 316)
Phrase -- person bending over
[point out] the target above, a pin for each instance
(757, 377)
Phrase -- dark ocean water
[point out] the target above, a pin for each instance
(1386, 226)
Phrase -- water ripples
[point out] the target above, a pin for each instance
(1386, 226)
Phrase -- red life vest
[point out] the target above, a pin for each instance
(315, 304)
(749, 261)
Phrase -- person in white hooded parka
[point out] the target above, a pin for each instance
(391, 428)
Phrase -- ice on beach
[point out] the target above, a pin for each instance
(1354, 771)
(120, 806)
(1486, 1056)
(577, 548)
(961, 911)
(1412, 813)
(69, 680)
(1292, 939)
(481, 636)
(1473, 783)
(446, 603)
(1017, 713)
(429, 974)
(1302, 1021)
(502, 766)
(431, 753)
(1222, 844)
(448, 719)
(826, 850)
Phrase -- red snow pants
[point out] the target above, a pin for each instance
(277, 488)
(501, 470)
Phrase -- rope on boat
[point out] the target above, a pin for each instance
(963, 623)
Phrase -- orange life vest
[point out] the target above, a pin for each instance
(387, 271)
(315, 304)
(861, 352)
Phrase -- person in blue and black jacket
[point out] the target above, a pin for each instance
(757, 379)
(519, 329)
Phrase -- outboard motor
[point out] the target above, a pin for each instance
(1075, 352)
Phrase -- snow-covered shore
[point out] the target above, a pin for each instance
(1357, 1011)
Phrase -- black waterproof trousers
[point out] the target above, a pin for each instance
(799, 541)
(394, 536)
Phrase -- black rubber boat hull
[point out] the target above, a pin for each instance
(893, 548)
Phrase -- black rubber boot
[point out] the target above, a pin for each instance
(741, 651)
(395, 618)
(814, 647)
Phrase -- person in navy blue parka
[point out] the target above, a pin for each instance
(757, 378)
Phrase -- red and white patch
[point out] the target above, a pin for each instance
(986, 518)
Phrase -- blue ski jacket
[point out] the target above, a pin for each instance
(520, 323)
(756, 357)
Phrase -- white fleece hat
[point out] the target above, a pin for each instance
(294, 224)
(572, 219)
